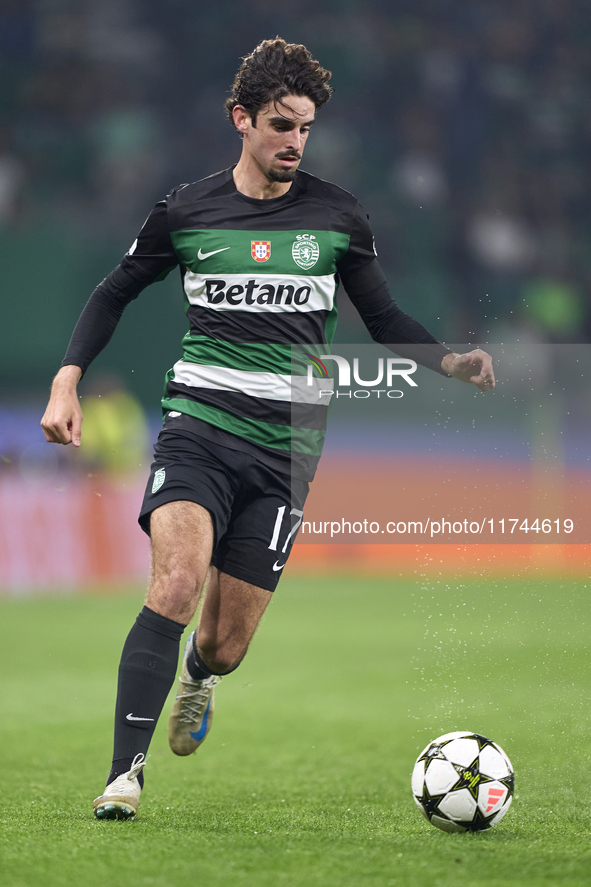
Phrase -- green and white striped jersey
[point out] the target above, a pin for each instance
(260, 279)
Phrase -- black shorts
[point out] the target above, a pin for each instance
(256, 511)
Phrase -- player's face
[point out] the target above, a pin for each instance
(277, 141)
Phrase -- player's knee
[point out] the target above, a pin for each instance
(174, 589)
(220, 659)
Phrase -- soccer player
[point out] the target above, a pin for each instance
(261, 248)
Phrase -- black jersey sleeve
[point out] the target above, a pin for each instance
(360, 254)
(366, 286)
(149, 259)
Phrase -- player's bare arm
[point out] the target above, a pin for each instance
(474, 367)
(62, 420)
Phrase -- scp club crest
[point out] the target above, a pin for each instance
(305, 251)
(260, 250)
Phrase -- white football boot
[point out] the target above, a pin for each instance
(192, 712)
(121, 798)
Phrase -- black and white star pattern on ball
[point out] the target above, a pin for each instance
(463, 782)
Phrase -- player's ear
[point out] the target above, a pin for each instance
(241, 118)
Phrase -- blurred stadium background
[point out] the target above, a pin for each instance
(463, 128)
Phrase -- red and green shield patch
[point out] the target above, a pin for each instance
(260, 250)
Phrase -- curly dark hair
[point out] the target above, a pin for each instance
(273, 70)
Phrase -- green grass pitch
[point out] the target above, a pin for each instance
(305, 776)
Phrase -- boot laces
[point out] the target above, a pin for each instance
(138, 763)
(195, 697)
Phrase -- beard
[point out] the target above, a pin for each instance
(285, 175)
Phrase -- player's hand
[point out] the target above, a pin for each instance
(62, 420)
(473, 367)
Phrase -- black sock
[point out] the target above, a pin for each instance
(197, 667)
(195, 664)
(122, 766)
(146, 673)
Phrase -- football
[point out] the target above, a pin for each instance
(463, 782)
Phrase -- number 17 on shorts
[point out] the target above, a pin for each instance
(296, 513)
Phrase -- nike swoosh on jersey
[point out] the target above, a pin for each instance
(130, 717)
(277, 566)
(201, 255)
(200, 734)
